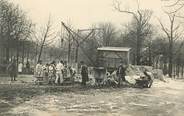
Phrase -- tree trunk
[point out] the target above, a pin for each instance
(138, 55)
(36, 53)
(28, 52)
(18, 44)
(40, 53)
(170, 59)
(174, 70)
(165, 68)
(134, 59)
(7, 54)
(8, 50)
(69, 49)
(178, 61)
(138, 50)
(76, 54)
(23, 53)
(178, 70)
(150, 57)
(182, 70)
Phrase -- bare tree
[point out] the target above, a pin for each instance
(174, 6)
(173, 33)
(107, 32)
(46, 38)
(141, 26)
(14, 27)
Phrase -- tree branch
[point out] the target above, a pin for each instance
(164, 29)
(117, 7)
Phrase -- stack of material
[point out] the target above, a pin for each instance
(133, 70)
(136, 72)
(158, 74)
(132, 79)
(133, 73)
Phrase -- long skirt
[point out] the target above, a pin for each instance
(84, 78)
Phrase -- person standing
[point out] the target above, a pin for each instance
(65, 71)
(84, 73)
(12, 70)
(59, 72)
(52, 72)
(27, 67)
(72, 72)
(20, 67)
(38, 70)
(121, 73)
(45, 69)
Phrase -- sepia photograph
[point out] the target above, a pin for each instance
(91, 58)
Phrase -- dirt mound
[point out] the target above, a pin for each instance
(139, 71)
(158, 74)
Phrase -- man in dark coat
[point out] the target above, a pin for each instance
(84, 73)
(12, 70)
(121, 73)
(27, 67)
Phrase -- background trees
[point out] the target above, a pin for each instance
(174, 34)
(140, 28)
(15, 28)
(108, 33)
(161, 47)
(45, 38)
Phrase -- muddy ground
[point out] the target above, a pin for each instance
(22, 98)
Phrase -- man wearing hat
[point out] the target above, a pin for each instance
(84, 73)
(121, 73)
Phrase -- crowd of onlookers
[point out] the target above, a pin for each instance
(13, 69)
(58, 72)
(55, 72)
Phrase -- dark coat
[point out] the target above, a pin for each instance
(84, 72)
(12, 69)
(121, 71)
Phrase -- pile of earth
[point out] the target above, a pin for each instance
(134, 71)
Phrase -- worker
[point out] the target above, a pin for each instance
(38, 70)
(72, 72)
(149, 78)
(59, 72)
(27, 67)
(52, 72)
(12, 70)
(84, 73)
(46, 72)
(20, 68)
(121, 73)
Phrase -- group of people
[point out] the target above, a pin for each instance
(52, 73)
(116, 77)
(22, 69)
(57, 72)
(13, 70)
(121, 72)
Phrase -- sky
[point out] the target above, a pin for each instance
(84, 13)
